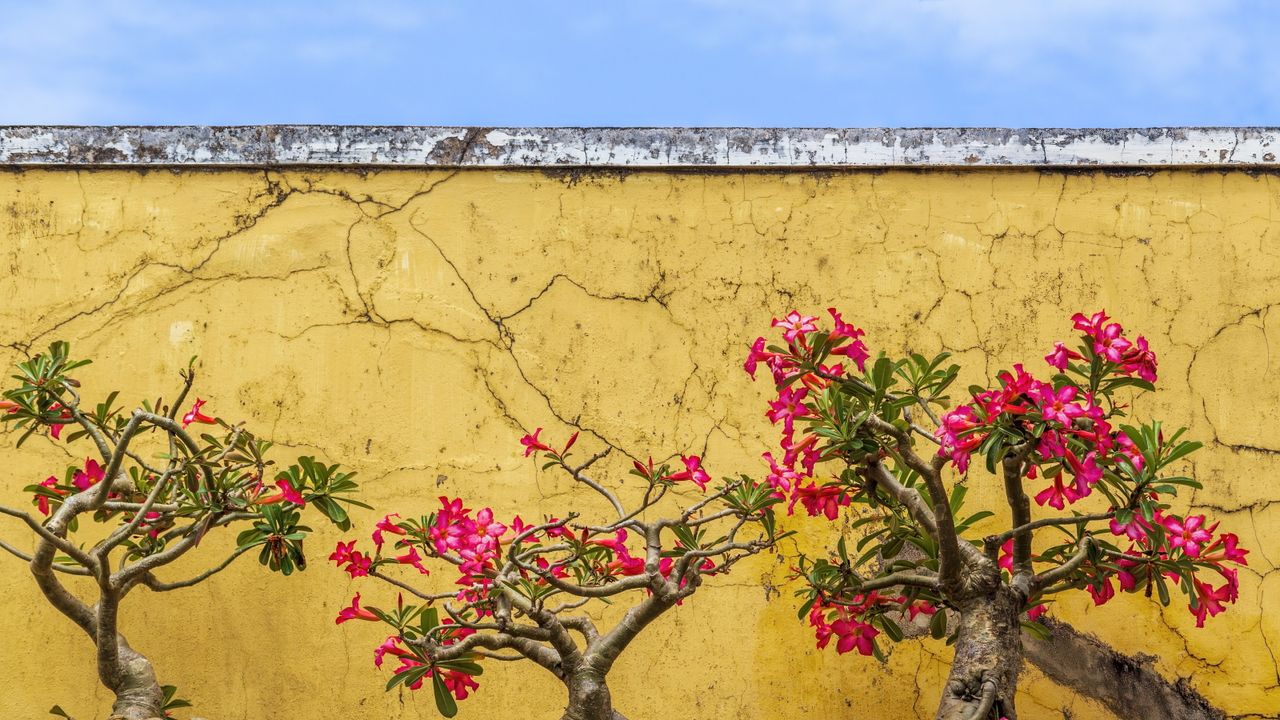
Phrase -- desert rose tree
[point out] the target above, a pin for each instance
(521, 588)
(863, 438)
(153, 487)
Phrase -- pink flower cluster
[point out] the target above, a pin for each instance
(1109, 343)
(1190, 537)
(796, 379)
(1075, 441)
(843, 339)
(846, 621)
(81, 480)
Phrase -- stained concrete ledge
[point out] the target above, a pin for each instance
(410, 146)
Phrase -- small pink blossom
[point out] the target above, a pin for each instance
(385, 525)
(1188, 534)
(1056, 494)
(795, 326)
(693, 472)
(1110, 344)
(1057, 405)
(1091, 325)
(1061, 356)
(788, 407)
(825, 500)
(42, 501)
(411, 557)
(532, 444)
(1140, 360)
(354, 612)
(856, 350)
(90, 476)
(195, 416)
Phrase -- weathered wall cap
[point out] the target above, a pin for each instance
(414, 146)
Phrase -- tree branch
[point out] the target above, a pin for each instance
(158, 586)
(1064, 570)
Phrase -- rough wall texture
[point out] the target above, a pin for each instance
(413, 323)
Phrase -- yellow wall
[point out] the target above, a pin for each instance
(411, 324)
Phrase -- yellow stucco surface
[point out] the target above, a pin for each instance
(411, 324)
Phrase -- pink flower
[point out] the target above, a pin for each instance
(806, 452)
(1209, 601)
(287, 493)
(1188, 534)
(779, 364)
(1061, 356)
(1110, 344)
(1130, 451)
(342, 554)
(195, 416)
(1227, 549)
(572, 439)
(1034, 613)
(485, 524)
(823, 500)
(391, 646)
(1140, 360)
(55, 428)
(355, 612)
(42, 501)
(413, 558)
(458, 683)
(1136, 529)
(854, 634)
(1087, 473)
(385, 525)
(532, 444)
(555, 570)
(755, 356)
(788, 407)
(1056, 493)
(920, 607)
(1103, 592)
(618, 544)
(357, 563)
(795, 326)
(90, 476)
(782, 478)
(955, 437)
(856, 351)
(693, 471)
(1091, 325)
(1006, 554)
(1057, 405)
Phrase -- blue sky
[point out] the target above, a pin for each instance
(617, 62)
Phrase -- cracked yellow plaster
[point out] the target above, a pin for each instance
(413, 323)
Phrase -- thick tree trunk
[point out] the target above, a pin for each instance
(589, 698)
(984, 673)
(138, 693)
(1128, 686)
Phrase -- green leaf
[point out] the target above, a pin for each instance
(408, 677)
(429, 620)
(462, 666)
(1037, 629)
(445, 703)
(1162, 589)
(891, 629)
(806, 607)
(938, 624)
